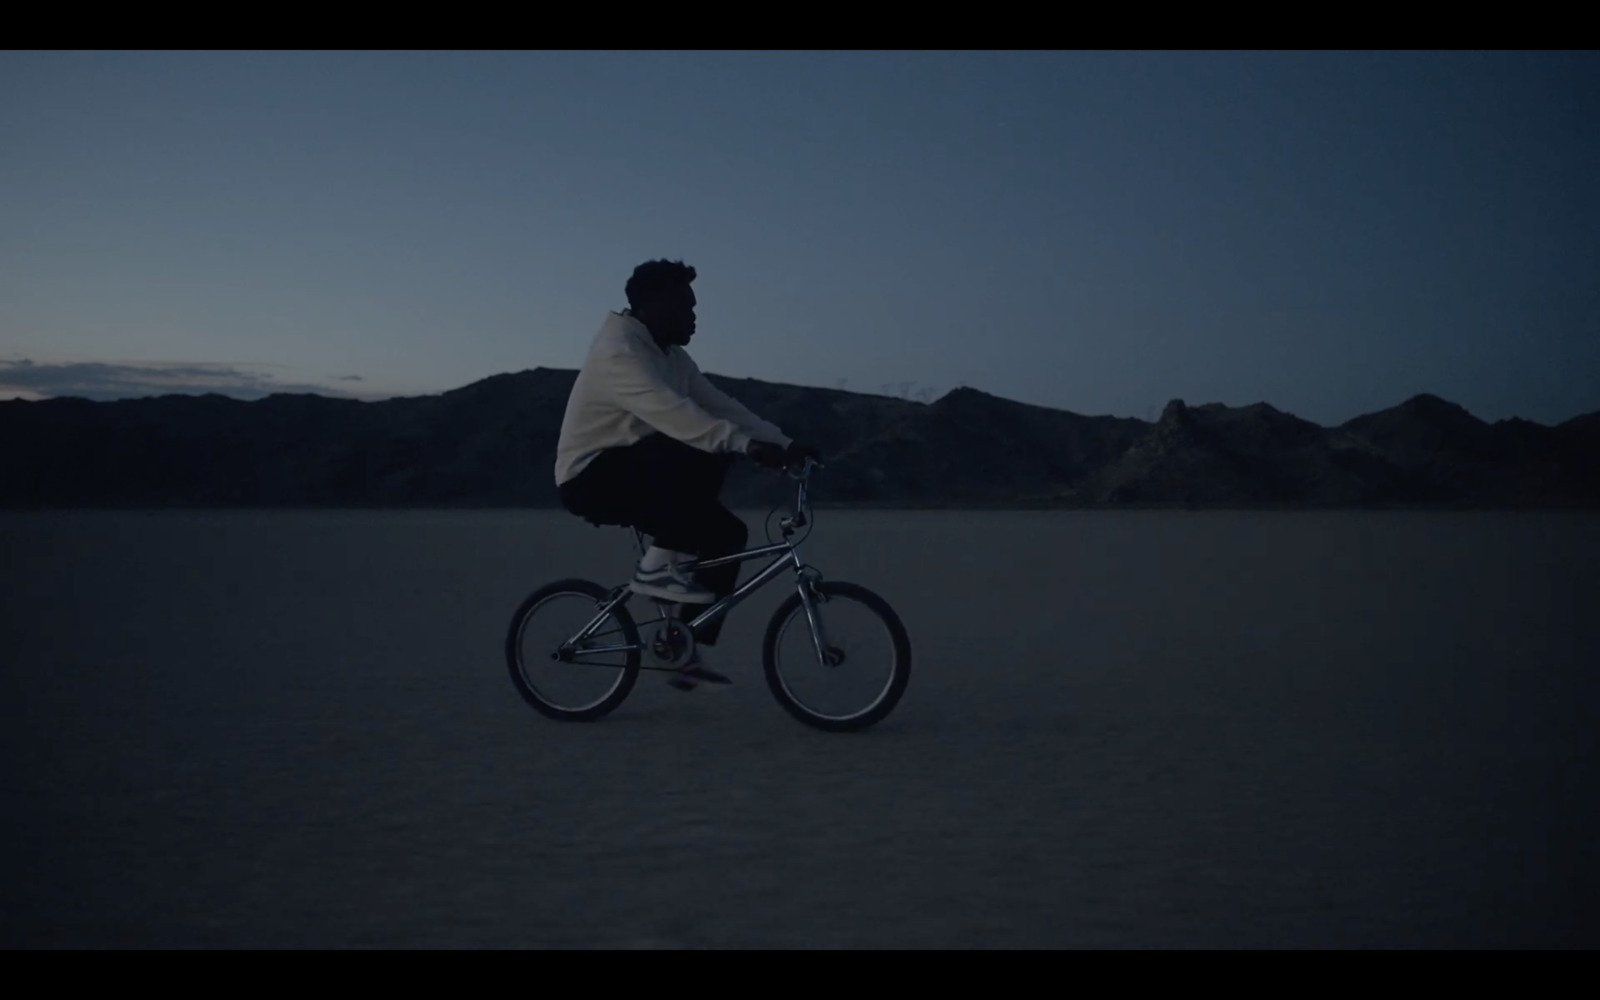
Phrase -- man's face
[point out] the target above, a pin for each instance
(671, 315)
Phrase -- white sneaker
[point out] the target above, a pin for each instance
(669, 583)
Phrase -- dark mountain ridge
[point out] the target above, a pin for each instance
(492, 444)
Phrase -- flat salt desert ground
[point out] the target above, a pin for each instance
(1125, 729)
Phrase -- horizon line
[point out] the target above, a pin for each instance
(13, 393)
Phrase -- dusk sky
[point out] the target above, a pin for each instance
(1099, 232)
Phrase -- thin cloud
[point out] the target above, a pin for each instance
(104, 381)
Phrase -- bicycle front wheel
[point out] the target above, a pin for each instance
(579, 683)
(848, 674)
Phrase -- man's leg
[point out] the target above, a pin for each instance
(708, 531)
(678, 506)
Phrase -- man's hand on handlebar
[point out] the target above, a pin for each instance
(766, 454)
(798, 453)
(776, 457)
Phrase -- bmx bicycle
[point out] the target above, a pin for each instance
(597, 642)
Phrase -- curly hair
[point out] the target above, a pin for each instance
(652, 276)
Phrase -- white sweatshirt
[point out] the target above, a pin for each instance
(630, 388)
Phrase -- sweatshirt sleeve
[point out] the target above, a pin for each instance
(723, 405)
(637, 388)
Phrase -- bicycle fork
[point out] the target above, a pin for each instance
(809, 599)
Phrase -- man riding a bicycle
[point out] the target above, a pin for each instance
(646, 440)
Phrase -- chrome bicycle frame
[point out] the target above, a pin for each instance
(788, 554)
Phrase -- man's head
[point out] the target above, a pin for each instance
(660, 296)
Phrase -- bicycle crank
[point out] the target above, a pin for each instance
(673, 643)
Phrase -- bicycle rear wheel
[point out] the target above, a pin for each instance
(587, 681)
(865, 663)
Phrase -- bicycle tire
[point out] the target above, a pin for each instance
(893, 692)
(530, 694)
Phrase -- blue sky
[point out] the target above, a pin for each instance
(1099, 232)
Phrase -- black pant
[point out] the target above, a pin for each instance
(668, 490)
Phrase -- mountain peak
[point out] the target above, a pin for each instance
(1426, 403)
(963, 392)
(1176, 411)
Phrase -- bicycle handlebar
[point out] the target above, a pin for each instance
(803, 478)
(805, 469)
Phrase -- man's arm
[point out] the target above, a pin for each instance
(637, 388)
(721, 404)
